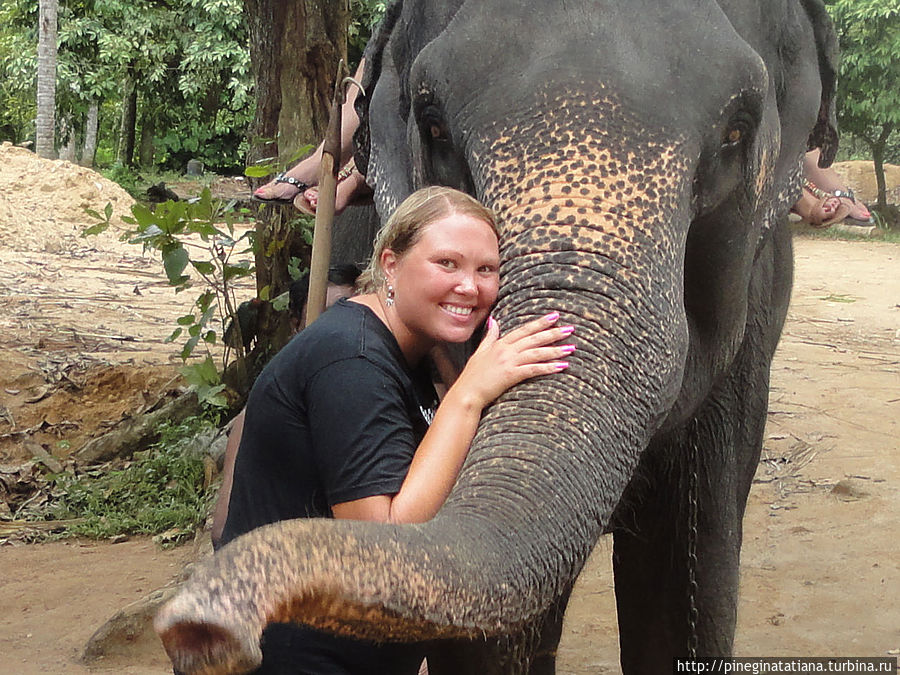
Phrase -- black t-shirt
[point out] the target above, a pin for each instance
(335, 416)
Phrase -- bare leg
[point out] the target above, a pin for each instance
(297, 182)
(829, 181)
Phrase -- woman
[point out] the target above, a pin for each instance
(341, 284)
(338, 422)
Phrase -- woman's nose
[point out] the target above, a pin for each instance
(466, 285)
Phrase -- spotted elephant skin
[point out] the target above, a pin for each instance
(642, 156)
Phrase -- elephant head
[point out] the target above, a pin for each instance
(641, 156)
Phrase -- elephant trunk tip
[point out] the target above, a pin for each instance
(198, 646)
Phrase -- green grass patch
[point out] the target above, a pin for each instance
(838, 298)
(890, 236)
(160, 491)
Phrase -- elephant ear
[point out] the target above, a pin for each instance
(824, 134)
(384, 145)
(386, 166)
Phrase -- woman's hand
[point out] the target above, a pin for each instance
(501, 362)
(496, 365)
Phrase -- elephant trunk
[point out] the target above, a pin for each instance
(550, 461)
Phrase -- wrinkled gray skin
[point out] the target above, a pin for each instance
(641, 156)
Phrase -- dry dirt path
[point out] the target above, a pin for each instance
(821, 556)
(821, 566)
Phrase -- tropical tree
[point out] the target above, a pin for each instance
(187, 59)
(17, 73)
(295, 49)
(869, 83)
(45, 142)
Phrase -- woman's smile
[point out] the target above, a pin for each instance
(458, 310)
(445, 284)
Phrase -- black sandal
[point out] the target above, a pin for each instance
(290, 180)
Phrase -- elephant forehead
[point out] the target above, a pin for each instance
(580, 162)
(584, 178)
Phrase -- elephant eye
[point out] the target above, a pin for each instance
(432, 123)
(436, 129)
(738, 131)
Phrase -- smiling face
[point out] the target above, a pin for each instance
(444, 285)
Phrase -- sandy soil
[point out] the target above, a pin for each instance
(81, 330)
(821, 557)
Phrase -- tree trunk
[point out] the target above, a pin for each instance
(68, 139)
(125, 154)
(878, 148)
(45, 144)
(148, 133)
(91, 125)
(294, 49)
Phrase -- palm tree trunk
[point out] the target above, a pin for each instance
(45, 145)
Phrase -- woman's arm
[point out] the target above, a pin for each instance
(496, 365)
(220, 515)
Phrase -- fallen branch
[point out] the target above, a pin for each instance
(138, 433)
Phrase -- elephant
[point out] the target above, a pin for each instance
(642, 157)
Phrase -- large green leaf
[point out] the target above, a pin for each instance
(175, 261)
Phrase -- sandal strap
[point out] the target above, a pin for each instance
(290, 180)
(845, 194)
(822, 194)
(348, 169)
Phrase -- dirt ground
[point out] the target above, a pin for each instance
(81, 345)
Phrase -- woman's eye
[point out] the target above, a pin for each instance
(446, 262)
(487, 269)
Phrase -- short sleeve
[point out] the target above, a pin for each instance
(361, 433)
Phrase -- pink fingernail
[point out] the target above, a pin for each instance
(550, 318)
(568, 349)
(562, 365)
(567, 330)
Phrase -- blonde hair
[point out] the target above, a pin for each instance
(405, 226)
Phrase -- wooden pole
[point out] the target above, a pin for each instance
(321, 247)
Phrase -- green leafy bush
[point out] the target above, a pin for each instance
(161, 491)
(173, 229)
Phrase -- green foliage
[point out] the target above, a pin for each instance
(126, 177)
(17, 75)
(849, 234)
(268, 166)
(868, 103)
(365, 15)
(189, 60)
(200, 234)
(207, 382)
(161, 490)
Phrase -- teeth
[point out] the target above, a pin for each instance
(462, 311)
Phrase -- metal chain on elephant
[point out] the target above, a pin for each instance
(693, 482)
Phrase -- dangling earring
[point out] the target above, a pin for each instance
(390, 296)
